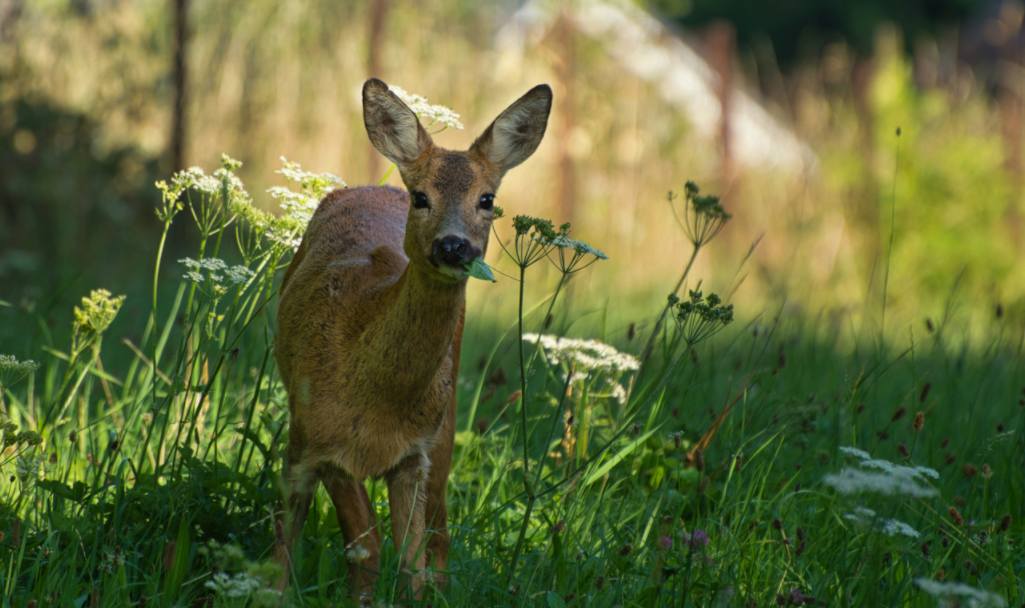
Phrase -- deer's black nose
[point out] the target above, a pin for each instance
(452, 251)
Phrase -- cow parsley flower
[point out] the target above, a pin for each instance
(92, 317)
(855, 452)
(215, 274)
(701, 216)
(584, 355)
(857, 481)
(240, 585)
(299, 206)
(12, 370)
(960, 594)
(435, 114)
(890, 527)
(880, 476)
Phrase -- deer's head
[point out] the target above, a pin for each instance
(452, 193)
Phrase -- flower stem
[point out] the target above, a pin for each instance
(523, 432)
(660, 321)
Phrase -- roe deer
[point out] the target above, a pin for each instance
(370, 323)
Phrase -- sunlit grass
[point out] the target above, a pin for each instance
(728, 469)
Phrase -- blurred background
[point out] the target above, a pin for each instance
(826, 126)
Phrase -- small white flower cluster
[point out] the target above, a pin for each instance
(9, 364)
(960, 594)
(584, 355)
(194, 178)
(216, 271)
(299, 206)
(434, 113)
(890, 527)
(883, 477)
(240, 585)
(357, 554)
(564, 242)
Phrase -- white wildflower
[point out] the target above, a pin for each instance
(899, 470)
(436, 114)
(314, 184)
(960, 594)
(882, 476)
(12, 370)
(578, 377)
(357, 554)
(855, 452)
(240, 585)
(194, 178)
(298, 207)
(619, 393)
(216, 271)
(856, 481)
(564, 242)
(890, 527)
(585, 355)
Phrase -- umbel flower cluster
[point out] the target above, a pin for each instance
(700, 215)
(889, 527)
(584, 355)
(215, 273)
(92, 317)
(433, 114)
(700, 316)
(878, 476)
(12, 370)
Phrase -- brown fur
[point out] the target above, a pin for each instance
(369, 334)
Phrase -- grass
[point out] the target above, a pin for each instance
(704, 480)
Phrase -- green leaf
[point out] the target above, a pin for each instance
(479, 269)
(615, 459)
(74, 493)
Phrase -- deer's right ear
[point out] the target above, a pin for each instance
(393, 128)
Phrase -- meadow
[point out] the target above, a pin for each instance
(680, 452)
(810, 392)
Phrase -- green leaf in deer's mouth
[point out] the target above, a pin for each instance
(479, 269)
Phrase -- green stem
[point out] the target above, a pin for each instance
(156, 266)
(523, 430)
(563, 279)
(657, 329)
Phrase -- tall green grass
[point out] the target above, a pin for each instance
(710, 476)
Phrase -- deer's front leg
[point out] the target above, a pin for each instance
(407, 486)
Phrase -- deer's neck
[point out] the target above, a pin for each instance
(413, 336)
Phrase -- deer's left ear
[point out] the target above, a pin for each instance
(517, 131)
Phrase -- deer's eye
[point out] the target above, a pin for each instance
(420, 200)
(487, 201)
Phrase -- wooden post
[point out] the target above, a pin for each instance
(866, 201)
(722, 46)
(178, 114)
(565, 70)
(375, 40)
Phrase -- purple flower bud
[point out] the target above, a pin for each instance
(698, 539)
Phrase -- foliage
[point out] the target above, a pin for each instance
(797, 28)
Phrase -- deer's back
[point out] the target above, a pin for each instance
(351, 253)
